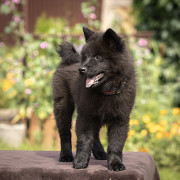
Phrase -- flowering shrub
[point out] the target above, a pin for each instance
(160, 137)
(154, 124)
(27, 68)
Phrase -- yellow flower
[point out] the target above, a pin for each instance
(179, 121)
(175, 111)
(174, 129)
(160, 128)
(144, 132)
(155, 128)
(134, 122)
(42, 115)
(141, 149)
(9, 75)
(32, 97)
(152, 129)
(29, 82)
(50, 73)
(163, 122)
(163, 112)
(7, 85)
(149, 125)
(131, 133)
(146, 119)
(167, 135)
(159, 135)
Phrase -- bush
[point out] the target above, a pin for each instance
(162, 17)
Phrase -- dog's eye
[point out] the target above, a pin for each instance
(98, 57)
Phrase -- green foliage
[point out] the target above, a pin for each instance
(29, 84)
(88, 9)
(50, 25)
(162, 17)
(154, 123)
(167, 174)
(35, 60)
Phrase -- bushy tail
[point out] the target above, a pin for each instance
(68, 54)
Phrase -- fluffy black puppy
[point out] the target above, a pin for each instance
(101, 83)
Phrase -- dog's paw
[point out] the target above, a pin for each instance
(79, 163)
(100, 155)
(66, 158)
(116, 167)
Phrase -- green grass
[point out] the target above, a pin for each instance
(168, 174)
(165, 173)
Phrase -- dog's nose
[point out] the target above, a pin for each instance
(82, 69)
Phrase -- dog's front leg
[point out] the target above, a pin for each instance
(117, 135)
(85, 129)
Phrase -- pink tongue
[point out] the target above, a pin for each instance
(90, 82)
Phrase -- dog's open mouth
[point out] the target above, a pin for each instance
(93, 80)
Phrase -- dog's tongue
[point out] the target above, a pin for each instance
(90, 82)
(93, 80)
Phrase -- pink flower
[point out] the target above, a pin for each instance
(44, 45)
(16, 19)
(7, 2)
(28, 91)
(142, 42)
(81, 37)
(16, 1)
(93, 16)
(139, 62)
(2, 44)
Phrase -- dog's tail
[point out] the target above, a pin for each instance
(68, 54)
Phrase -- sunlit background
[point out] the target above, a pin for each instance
(30, 31)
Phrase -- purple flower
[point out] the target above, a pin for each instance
(16, 1)
(36, 105)
(92, 8)
(93, 16)
(44, 45)
(142, 42)
(28, 91)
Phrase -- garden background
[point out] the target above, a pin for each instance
(28, 60)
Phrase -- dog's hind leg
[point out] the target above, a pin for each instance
(98, 150)
(63, 110)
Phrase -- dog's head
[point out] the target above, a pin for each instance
(102, 56)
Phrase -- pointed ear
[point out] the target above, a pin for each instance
(113, 40)
(87, 33)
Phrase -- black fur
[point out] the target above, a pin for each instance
(104, 53)
(68, 54)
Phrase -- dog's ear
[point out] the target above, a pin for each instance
(113, 40)
(87, 33)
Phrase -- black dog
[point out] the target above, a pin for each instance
(101, 83)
